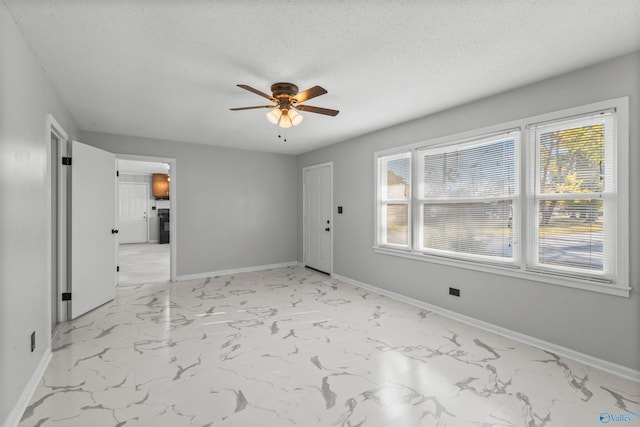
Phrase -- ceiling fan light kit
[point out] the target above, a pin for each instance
(284, 118)
(287, 100)
(274, 115)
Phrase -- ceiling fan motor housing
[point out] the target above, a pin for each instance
(284, 90)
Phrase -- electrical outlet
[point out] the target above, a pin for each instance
(33, 341)
(455, 292)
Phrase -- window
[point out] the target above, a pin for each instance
(541, 199)
(394, 196)
(466, 198)
(572, 219)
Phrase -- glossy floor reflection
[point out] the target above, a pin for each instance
(143, 263)
(291, 347)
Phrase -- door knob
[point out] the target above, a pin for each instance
(114, 231)
(327, 229)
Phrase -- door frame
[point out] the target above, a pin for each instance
(146, 185)
(304, 212)
(61, 281)
(173, 213)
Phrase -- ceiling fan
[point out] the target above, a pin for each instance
(287, 101)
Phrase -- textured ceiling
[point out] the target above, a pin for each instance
(168, 69)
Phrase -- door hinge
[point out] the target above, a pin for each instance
(66, 296)
(66, 161)
(117, 173)
(117, 268)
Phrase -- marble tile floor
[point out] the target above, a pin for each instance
(143, 263)
(292, 347)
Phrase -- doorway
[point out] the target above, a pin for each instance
(317, 217)
(82, 262)
(65, 213)
(147, 249)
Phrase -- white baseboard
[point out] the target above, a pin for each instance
(27, 393)
(236, 271)
(604, 365)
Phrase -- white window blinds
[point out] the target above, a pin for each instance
(467, 198)
(573, 212)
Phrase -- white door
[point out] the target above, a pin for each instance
(317, 217)
(133, 199)
(93, 228)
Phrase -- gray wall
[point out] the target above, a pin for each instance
(26, 97)
(235, 208)
(599, 325)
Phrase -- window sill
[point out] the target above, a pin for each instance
(511, 272)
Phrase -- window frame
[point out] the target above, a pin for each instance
(617, 284)
(381, 226)
(607, 195)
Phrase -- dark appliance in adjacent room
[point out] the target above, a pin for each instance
(163, 225)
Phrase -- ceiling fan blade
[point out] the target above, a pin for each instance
(319, 110)
(308, 94)
(252, 108)
(257, 92)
